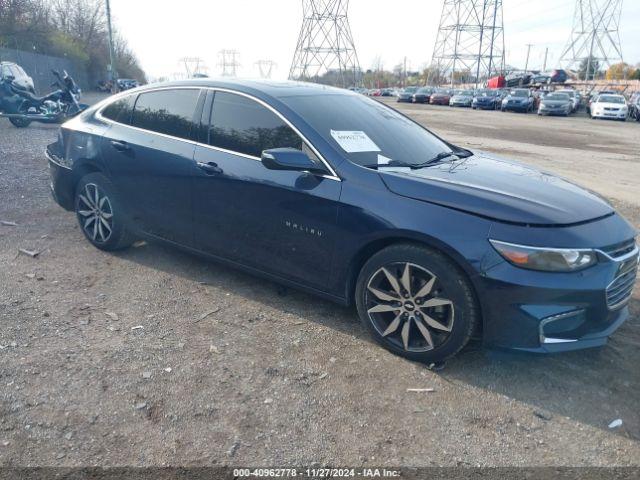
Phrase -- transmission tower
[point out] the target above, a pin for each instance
(594, 35)
(325, 44)
(229, 62)
(194, 66)
(470, 42)
(266, 67)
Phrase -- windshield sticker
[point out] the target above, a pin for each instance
(354, 141)
(382, 160)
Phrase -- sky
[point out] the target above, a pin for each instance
(161, 32)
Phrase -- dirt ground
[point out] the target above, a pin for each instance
(153, 357)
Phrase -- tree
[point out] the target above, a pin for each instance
(592, 64)
(75, 29)
(619, 71)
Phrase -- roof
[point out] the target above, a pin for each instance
(272, 88)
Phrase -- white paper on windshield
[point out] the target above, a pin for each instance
(354, 141)
(382, 160)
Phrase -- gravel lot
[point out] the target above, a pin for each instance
(153, 357)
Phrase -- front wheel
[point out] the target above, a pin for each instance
(20, 122)
(101, 214)
(416, 303)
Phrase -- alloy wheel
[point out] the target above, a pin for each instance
(408, 306)
(96, 213)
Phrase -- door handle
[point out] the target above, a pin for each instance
(210, 168)
(120, 146)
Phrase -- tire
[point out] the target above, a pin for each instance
(111, 210)
(20, 122)
(449, 323)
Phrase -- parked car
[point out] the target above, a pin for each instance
(387, 92)
(406, 94)
(558, 76)
(461, 98)
(609, 106)
(594, 95)
(287, 181)
(487, 99)
(422, 95)
(375, 92)
(519, 100)
(555, 103)
(573, 95)
(440, 97)
(540, 79)
(634, 106)
(127, 84)
(496, 82)
(20, 77)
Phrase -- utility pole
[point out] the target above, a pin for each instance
(112, 56)
(544, 65)
(404, 73)
(526, 64)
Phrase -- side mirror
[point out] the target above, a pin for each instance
(289, 159)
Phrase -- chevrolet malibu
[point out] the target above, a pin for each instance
(339, 195)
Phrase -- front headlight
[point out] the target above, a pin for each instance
(545, 259)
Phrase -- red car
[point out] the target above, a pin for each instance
(440, 97)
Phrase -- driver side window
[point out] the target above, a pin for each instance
(242, 125)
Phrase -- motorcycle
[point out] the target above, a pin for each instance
(22, 107)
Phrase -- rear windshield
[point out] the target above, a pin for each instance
(378, 129)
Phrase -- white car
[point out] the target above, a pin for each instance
(609, 106)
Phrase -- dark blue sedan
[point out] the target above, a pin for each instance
(340, 195)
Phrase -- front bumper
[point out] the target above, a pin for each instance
(485, 106)
(552, 312)
(515, 107)
(553, 111)
(619, 115)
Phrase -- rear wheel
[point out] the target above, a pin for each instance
(416, 303)
(101, 214)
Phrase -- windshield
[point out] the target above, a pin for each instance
(557, 96)
(466, 93)
(610, 99)
(385, 132)
(424, 90)
(519, 93)
(410, 89)
(569, 93)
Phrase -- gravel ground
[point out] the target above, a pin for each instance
(153, 357)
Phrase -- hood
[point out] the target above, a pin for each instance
(440, 95)
(502, 190)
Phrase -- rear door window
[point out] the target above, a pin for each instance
(242, 125)
(170, 112)
(120, 110)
